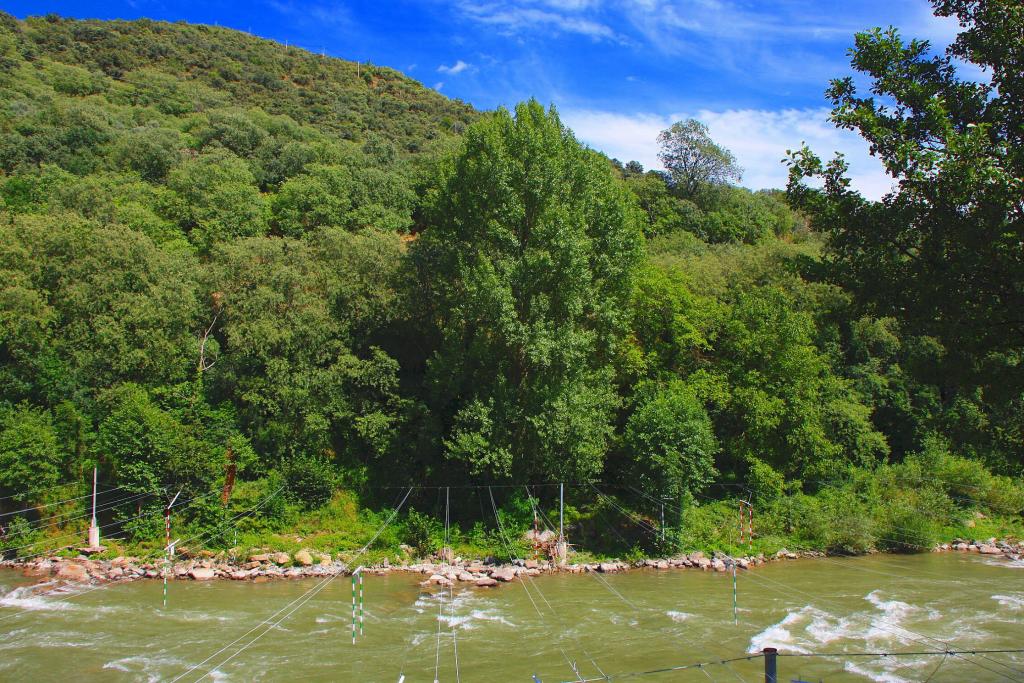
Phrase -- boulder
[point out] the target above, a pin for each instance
(73, 572)
(503, 574)
(304, 558)
(115, 573)
(988, 549)
(718, 565)
(239, 575)
(607, 567)
(532, 564)
(662, 564)
(486, 582)
(262, 557)
(703, 562)
(202, 573)
(437, 580)
(281, 558)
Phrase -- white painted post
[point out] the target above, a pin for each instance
(94, 530)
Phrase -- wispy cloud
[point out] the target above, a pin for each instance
(758, 138)
(513, 17)
(455, 69)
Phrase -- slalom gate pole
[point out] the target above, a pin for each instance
(353, 609)
(735, 611)
(360, 604)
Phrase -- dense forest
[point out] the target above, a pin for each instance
(292, 286)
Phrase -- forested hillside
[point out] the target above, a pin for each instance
(291, 285)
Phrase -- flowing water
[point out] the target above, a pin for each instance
(616, 624)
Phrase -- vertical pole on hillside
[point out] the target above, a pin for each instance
(750, 527)
(561, 512)
(663, 521)
(560, 549)
(353, 608)
(94, 530)
(360, 604)
(771, 673)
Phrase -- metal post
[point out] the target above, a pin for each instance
(360, 604)
(561, 513)
(771, 674)
(167, 554)
(353, 609)
(735, 611)
(94, 529)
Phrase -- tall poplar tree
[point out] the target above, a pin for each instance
(527, 262)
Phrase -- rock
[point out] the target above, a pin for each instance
(262, 557)
(960, 546)
(503, 574)
(437, 580)
(304, 558)
(465, 577)
(718, 565)
(662, 564)
(239, 575)
(486, 582)
(202, 573)
(607, 567)
(703, 562)
(281, 558)
(988, 549)
(532, 564)
(115, 573)
(73, 572)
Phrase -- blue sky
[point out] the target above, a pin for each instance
(753, 70)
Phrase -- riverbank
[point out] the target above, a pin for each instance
(261, 567)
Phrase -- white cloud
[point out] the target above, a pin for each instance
(438, 86)
(758, 138)
(518, 18)
(455, 69)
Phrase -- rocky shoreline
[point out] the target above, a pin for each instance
(266, 566)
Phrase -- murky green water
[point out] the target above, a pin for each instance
(615, 624)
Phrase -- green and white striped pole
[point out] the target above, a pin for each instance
(360, 604)
(735, 613)
(353, 608)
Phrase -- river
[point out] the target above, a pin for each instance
(616, 624)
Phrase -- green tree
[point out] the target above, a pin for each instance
(670, 443)
(694, 160)
(217, 199)
(527, 266)
(941, 252)
(30, 458)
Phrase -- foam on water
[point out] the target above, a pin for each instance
(35, 598)
(877, 676)
(678, 617)
(809, 628)
(887, 626)
(1014, 601)
(780, 636)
